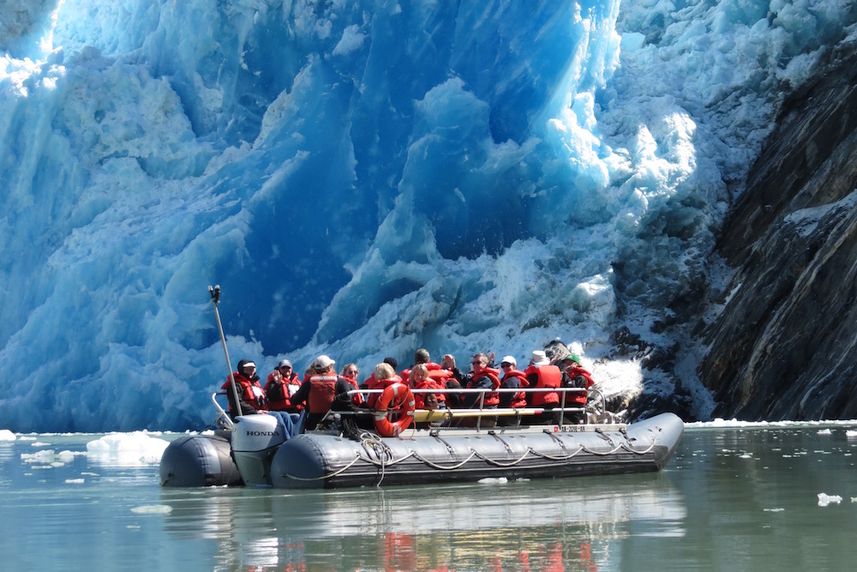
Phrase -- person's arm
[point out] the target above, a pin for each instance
(533, 380)
(509, 383)
(473, 399)
(301, 394)
(342, 401)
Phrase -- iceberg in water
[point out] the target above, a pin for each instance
(362, 178)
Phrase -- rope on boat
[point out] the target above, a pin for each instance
(631, 449)
(441, 467)
(499, 463)
(373, 443)
(328, 476)
(554, 457)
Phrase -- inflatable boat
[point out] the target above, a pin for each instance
(257, 450)
(395, 444)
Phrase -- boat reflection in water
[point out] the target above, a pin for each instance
(522, 525)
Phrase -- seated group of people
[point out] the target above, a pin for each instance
(322, 389)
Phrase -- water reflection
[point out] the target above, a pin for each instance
(538, 525)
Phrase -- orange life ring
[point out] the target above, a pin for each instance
(397, 398)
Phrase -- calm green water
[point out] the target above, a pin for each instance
(731, 499)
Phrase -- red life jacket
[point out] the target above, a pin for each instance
(549, 376)
(429, 383)
(518, 399)
(573, 372)
(373, 383)
(356, 398)
(277, 390)
(430, 366)
(492, 398)
(322, 390)
(249, 391)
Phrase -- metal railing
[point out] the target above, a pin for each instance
(492, 411)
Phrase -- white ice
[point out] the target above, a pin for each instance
(362, 184)
(126, 449)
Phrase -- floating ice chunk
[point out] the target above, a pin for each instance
(127, 449)
(825, 432)
(493, 481)
(74, 481)
(6, 435)
(851, 433)
(39, 444)
(825, 499)
(773, 509)
(152, 509)
(49, 457)
(745, 456)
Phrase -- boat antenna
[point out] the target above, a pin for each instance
(214, 292)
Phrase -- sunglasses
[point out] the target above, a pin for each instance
(505, 364)
(352, 371)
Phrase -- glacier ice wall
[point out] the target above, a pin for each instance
(362, 178)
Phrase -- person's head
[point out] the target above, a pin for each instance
(285, 367)
(508, 363)
(570, 359)
(422, 356)
(247, 368)
(419, 373)
(322, 364)
(479, 361)
(448, 361)
(384, 371)
(539, 358)
(392, 362)
(350, 371)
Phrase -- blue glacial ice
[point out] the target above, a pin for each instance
(362, 178)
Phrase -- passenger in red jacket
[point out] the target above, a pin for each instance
(542, 375)
(322, 391)
(574, 375)
(383, 377)
(281, 383)
(350, 373)
(251, 396)
(421, 380)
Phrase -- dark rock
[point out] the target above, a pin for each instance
(785, 345)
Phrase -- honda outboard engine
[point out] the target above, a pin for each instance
(255, 439)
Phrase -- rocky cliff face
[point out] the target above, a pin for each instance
(785, 344)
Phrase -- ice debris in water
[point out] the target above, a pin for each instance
(6, 435)
(152, 509)
(493, 481)
(825, 432)
(825, 499)
(49, 457)
(74, 481)
(137, 448)
(851, 433)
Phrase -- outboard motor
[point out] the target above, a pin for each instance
(255, 439)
